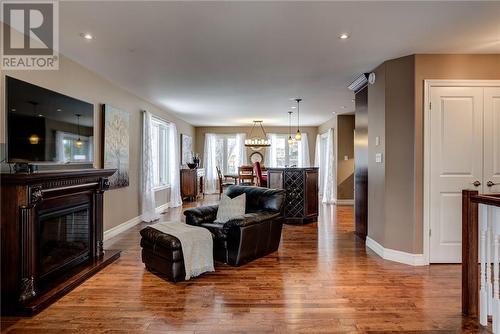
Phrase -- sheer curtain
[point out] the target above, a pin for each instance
(317, 163)
(241, 150)
(210, 163)
(304, 159)
(329, 185)
(270, 159)
(148, 206)
(173, 166)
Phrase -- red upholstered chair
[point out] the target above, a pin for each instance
(261, 180)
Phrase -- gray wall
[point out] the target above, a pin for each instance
(345, 147)
(395, 111)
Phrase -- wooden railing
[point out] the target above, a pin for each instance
(481, 288)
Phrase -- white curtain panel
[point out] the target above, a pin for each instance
(270, 158)
(241, 150)
(304, 159)
(329, 186)
(210, 163)
(148, 206)
(317, 151)
(317, 163)
(173, 167)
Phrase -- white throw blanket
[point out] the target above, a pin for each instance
(197, 246)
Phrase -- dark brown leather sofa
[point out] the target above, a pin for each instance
(249, 237)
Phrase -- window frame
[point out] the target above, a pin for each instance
(163, 163)
(287, 149)
(225, 151)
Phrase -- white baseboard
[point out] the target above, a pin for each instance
(395, 255)
(345, 202)
(114, 231)
(162, 208)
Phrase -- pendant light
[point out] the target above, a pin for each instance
(257, 141)
(298, 135)
(78, 142)
(290, 139)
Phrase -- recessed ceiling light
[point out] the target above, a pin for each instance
(343, 107)
(344, 36)
(87, 36)
(58, 109)
(334, 112)
(40, 115)
(353, 100)
(12, 109)
(294, 107)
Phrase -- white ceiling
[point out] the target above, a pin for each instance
(227, 63)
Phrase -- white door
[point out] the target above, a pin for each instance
(456, 153)
(492, 139)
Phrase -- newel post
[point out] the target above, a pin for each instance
(470, 273)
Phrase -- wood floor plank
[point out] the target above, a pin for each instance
(321, 280)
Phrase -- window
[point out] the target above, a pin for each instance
(286, 154)
(160, 153)
(226, 154)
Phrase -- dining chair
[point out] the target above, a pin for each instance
(222, 182)
(246, 176)
(261, 180)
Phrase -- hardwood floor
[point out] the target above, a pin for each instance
(322, 280)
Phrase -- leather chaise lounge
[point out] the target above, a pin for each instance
(248, 237)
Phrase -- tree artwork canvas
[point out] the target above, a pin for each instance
(186, 148)
(116, 145)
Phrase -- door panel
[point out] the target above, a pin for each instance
(492, 138)
(456, 150)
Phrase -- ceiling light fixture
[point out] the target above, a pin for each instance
(290, 139)
(87, 36)
(344, 36)
(298, 135)
(256, 142)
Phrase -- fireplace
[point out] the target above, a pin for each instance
(52, 235)
(64, 239)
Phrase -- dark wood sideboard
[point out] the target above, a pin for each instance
(52, 235)
(192, 183)
(301, 185)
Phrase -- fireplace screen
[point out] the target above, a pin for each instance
(64, 238)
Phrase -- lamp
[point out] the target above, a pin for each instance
(257, 142)
(78, 142)
(298, 135)
(290, 139)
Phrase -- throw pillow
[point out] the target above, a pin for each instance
(230, 208)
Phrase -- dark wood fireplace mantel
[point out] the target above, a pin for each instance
(26, 199)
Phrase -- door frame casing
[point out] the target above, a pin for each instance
(428, 85)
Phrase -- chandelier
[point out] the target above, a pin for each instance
(257, 140)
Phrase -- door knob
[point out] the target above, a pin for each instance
(476, 183)
(491, 184)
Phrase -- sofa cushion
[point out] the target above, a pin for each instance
(230, 208)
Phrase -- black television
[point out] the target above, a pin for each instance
(44, 126)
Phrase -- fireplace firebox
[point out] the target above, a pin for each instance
(52, 235)
(64, 239)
